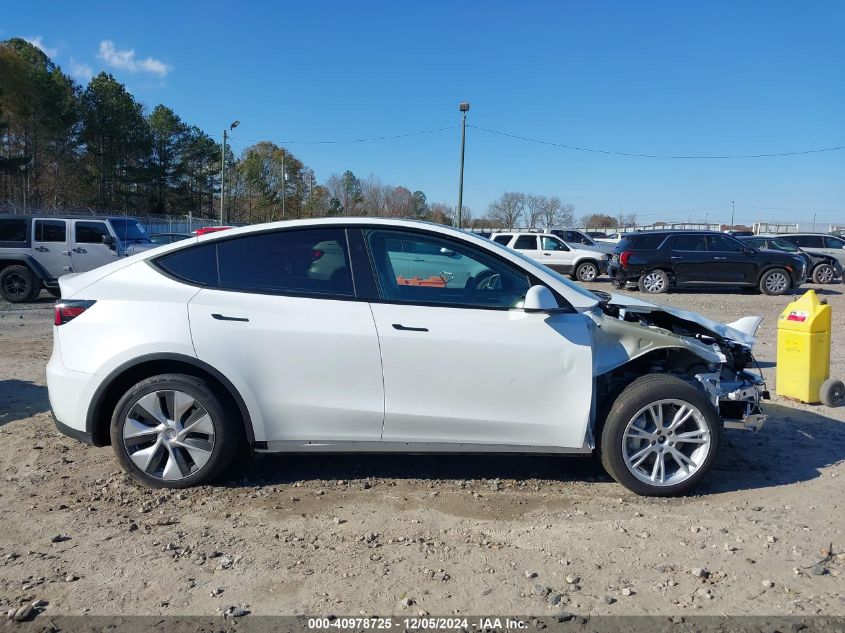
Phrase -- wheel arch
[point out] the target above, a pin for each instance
(30, 262)
(123, 377)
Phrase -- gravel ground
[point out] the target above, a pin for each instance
(423, 534)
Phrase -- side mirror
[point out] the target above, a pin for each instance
(539, 299)
(108, 240)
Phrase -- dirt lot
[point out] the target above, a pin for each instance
(409, 535)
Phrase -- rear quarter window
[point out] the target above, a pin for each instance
(196, 265)
(13, 230)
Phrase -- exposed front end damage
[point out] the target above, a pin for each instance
(634, 338)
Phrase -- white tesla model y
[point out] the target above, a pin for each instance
(364, 334)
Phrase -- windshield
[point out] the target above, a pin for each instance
(130, 231)
(785, 246)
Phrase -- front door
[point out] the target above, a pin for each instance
(51, 246)
(461, 365)
(88, 251)
(284, 323)
(729, 261)
(555, 254)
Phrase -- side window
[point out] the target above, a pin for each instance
(13, 230)
(834, 242)
(526, 243)
(502, 239)
(724, 244)
(470, 278)
(90, 232)
(552, 244)
(306, 261)
(696, 243)
(808, 241)
(50, 231)
(197, 264)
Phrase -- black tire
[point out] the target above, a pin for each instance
(586, 271)
(823, 274)
(832, 393)
(18, 284)
(641, 393)
(653, 282)
(775, 282)
(227, 425)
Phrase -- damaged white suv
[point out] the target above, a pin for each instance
(385, 335)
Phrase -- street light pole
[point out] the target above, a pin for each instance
(223, 168)
(733, 208)
(464, 108)
(284, 183)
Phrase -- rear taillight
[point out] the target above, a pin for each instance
(69, 310)
(316, 254)
(623, 258)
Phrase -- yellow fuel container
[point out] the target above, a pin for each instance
(803, 361)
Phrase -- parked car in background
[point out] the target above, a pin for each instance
(168, 238)
(551, 251)
(659, 260)
(821, 269)
(237, 339)
(36, 250)
(739, 232)
(596, 235)
(581, 240)
(613, 238)
(818, 244)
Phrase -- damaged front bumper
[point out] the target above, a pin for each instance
(737, 398)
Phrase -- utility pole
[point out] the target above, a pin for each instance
(464, 108)
(223, 168)
(284, 183)
(733, 208)
(311, 196)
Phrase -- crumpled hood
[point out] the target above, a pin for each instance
(742, 331)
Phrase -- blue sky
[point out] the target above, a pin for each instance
(664, 78)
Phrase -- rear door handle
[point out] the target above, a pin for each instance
(547, 254)
(404, 328)
(79, 250)
(223, 317)
(677, 257)
(720, 258)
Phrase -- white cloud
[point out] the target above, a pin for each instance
(125, 60)
(80, 70)
(38, 42)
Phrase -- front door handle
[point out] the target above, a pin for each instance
(547, 254)
(720, 258)
(677, 257)
(223, 317)
(404, 328)
(79, 250)
(43, 249)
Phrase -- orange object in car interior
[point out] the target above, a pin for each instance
(433, 281)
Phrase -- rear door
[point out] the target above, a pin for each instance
(835, 247)
(88, 251)
(690, 258)
(527, 245)
(51, 246)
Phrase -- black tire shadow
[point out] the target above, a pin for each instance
(792, 447)
(20, 399)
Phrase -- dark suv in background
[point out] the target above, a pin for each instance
(658, 260)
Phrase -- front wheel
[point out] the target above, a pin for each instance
(660, 437)
(18, 284)
(172, 431)
(775, 282)
(587, 271)
(823, 274)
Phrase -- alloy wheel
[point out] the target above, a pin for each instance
(653, 282)
(825, 274)
(14, 285)
(168, 434)
(666, 442)
(587, 272)
(777, 283)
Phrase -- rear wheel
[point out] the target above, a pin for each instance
(171, 431)
(654, 282)
(18, 284)
(660, 437)
(823, 274)
(775, 282)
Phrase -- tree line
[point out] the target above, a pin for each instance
(70, 147)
